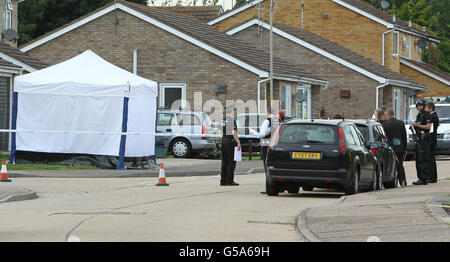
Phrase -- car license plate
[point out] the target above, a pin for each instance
(306, 155)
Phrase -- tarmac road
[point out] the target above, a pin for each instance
(108, 208)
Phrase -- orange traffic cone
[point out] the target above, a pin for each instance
(162, 177)
(4, 173)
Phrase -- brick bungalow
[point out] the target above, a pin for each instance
(354, 80)
(358, 27)
(183, 55)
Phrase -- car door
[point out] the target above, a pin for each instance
(389, 154)
(366, 165)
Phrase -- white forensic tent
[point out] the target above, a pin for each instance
(84, 94)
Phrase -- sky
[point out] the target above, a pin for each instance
(226, 4)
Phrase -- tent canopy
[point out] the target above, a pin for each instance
(85, 74)
(85, 94)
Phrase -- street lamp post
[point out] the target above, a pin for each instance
(271, 54)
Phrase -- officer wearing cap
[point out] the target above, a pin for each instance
(230, 140)
(422, 127)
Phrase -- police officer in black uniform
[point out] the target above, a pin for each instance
(422, 127)
(435, 124)
(230, 140)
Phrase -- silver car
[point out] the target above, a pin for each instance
(180, 125)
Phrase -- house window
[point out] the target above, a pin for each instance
(397, 103)
(395, 43)
(8, 15)
(404, 42)
(172, 95)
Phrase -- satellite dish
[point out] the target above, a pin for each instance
(422, 43)
(384, 4)
(10, 35)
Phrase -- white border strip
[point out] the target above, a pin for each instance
(428, 73)
(231, 13)
(17, 62)
(311, 47)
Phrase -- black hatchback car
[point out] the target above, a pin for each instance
(374, 133)
(319, 153)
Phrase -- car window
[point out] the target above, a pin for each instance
(356, 137)
(240, 121)
(362, 139)
(443, 111)
(377, 136)
(364, 131)
(349, 139)
(322, 134)
(383, 134)
(188, 119)
(207, 119)
(164, 119)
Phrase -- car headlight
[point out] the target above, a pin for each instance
(447, 135)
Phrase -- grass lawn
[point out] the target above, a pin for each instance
(41, 166)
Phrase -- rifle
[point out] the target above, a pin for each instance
(417, 142)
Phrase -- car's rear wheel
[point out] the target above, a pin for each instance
(354, 186)
(271, 190)
(181, 148)
(394, 182)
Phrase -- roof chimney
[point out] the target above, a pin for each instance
(393, 19)
(424, 28)
(409, 23)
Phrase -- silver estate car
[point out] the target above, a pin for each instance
(180, 125)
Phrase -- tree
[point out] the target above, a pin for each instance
(37, 17)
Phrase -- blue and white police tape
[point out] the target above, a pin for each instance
(117, 133)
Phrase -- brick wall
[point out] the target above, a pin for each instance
(435, 87)
(162, 57)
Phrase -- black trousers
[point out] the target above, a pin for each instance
(433, 168)
(400, 169)
(228, 163)
(423, 159)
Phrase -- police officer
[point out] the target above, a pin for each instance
(435, 123)
(266, 129)
(230, 140)
(422, 127)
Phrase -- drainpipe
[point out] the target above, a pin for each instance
(259, 93)
(135, 57)
(377, 92)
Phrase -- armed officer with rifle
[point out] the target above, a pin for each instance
(422, 139)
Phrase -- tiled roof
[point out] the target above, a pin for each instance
(201, 13)
(431, 69)
(345, 54)
(221, 41)
(21, 56)
(4, 63)
(386, 17)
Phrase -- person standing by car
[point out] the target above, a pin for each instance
(396, 134)
(230, 140)
(435, 124)
(422, 127)
(265, 131)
